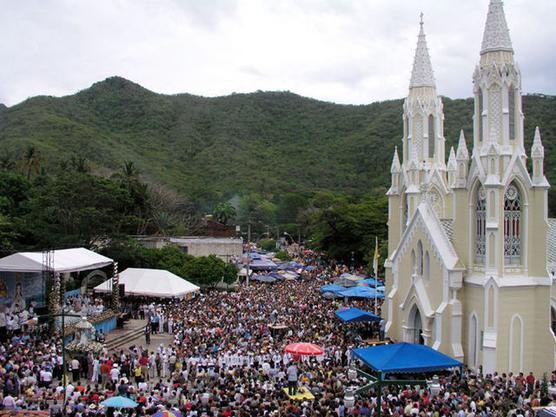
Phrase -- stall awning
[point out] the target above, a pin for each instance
(356, 315)
(405, 358)
(361, 292)
(331, 288)
(63, 260)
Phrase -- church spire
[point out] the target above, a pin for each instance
(496, 36)
(395, 168)
(462, 153)
(422, 75)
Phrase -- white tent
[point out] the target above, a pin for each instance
(63, 260)
(151, 283)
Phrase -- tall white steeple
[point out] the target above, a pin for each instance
(422, 74)
(498, 117)
(423, 142)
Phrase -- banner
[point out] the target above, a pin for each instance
(18, 290)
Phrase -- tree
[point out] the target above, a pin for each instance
(77, 209)
(31, 162)
(224, 212)
(206, 270)
(230, 273)
(256, 211)
(348, 228)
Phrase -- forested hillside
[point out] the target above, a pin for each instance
(210, 149)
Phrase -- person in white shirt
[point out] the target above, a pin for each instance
(114, 373)
(9, 402)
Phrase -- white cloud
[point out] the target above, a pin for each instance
(337, 50)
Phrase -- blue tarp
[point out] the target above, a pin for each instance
(356, 315)
(405, 358)
(331, 288)
(361, 292)
(263, 263)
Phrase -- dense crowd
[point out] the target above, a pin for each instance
(227, 359)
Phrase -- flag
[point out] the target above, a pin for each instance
(375, 258)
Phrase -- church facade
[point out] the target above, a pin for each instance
(467, 237)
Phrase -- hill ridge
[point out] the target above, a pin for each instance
(210, 148)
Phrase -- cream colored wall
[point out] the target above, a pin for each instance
(460, 228)
(538, 227)
(394, 218)
(473, 302)
(532, 304)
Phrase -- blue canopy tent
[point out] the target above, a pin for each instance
(403, 358)
(331, 288)
(361, 292)
(356, 315)
(264, 278)
(373, 282)
(262, 263)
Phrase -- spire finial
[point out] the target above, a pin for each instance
(422, 75)
(462, 152)
(537, 150)
(496, 36)
(395, 168)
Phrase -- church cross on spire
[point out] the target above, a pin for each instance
(496, 36)
(422, 75)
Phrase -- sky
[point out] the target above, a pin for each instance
(344, 51)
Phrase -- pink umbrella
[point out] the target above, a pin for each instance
(304, 349)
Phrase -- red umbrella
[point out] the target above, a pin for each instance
(301, 349)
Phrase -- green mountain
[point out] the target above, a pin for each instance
(213, 148)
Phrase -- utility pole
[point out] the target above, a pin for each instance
(248, 232)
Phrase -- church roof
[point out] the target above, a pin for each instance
(439, 235)
(496, 36)
(422, 75)
(551, 242)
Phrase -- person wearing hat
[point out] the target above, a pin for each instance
(114, 373)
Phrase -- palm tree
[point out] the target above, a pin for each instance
(224, 212)
(31, 161)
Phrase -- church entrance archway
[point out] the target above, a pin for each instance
(416, 326)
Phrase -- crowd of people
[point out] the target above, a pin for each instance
(224, 359)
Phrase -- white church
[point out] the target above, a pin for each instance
(468, 270)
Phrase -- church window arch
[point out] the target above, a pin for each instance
(420, 258)
(511, 111)
(432, 136)
(553, 319)
(427, 266)
(512, 225)
(413, 263)
(481, 109)
(480, 226)
(405, 210)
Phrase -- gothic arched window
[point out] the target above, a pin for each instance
(511, 110)
(432, 136)
(512, 226)
(427, 268)
(481, 109)
(420, 258)
(480, 226)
